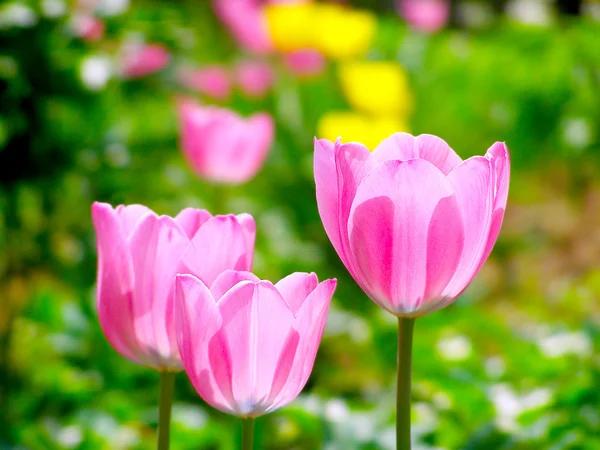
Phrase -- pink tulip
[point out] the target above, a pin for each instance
(425, 15)
(214, 81)
(140, 60)
(88, 28)
(247, 23)
(248, 346)
(255, 78)
(411, 221)
(220, 145)
(139, 254)
(305, 62)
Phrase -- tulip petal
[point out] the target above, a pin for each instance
(191, 219)
(406, 235)
(500, 158)
(220, 244)
(115, 282)
(157, 247)
(197, 321)
(473, 184)
(404, 146)
(309, 325)
(255, 318)
(228, 279)
(295, 288)
(130, 215)
(327, 190)
(249, 228)
(353, 162)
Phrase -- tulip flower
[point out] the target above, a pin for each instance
(138, 60)
(305, 63)
(213, 81)
(413, 224)
(248, 346)
(425, 15)
(88, 27)
(221, 146)
(255, 78)
(139, 254)
(246, 22)
(376, 87)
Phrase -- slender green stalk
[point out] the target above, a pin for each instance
(167, 383)
(405, 337)
(247, 433)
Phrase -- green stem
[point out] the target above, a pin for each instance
(247, 433)
(167, 383)
(405, 337)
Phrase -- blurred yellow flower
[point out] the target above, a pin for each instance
(290, 25)
(376, 87)
(336, 31)
(356, 127)
(342, 33)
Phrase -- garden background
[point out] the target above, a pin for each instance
(513, 364)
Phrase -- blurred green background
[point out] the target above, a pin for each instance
(513, 364)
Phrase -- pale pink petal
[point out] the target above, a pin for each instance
(197, 322)
(255, 78)
(327, 190)
(255, 321)
(115, 282)
(228, 279)
(214, 80)
(130, 215)
(295, 288)
(425, 15)
(406, 235)
(353, 162)
(309, 324)
(249, 227)
(305, 63)
(473, 183)
(157, 247)
(191, 219)
(220, 244)
(500, 158)
(404, 146)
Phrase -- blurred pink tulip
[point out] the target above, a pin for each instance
(222, 146)
(139, 254)
(425, 15)
(255, 78)
(214, 81)
(247, 23)
(305, 62)
(412, 222)
(88, 28)
(248, 346)
(139, 60)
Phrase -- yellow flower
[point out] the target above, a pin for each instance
(376, 87)
(356, 127)
(341, 32)
(337, 32)
(290, 25)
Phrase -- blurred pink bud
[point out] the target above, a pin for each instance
(425, 15)
(88, 28)
(222, 146)
(305, 62)
(412, 222)
(139, 254)
(249, 346)
(255, 78)
(214, 81)
(139, 60)
(247, 23)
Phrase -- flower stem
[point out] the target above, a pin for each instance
(167, 382)
(405, 338)
(247, 433)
